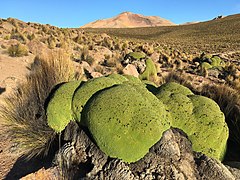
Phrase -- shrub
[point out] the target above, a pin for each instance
(17, 50)
(31, 36)
(228, 100)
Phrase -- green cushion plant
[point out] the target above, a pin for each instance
(126, 117)
(125, 121)
(198, 116)
(59, 108)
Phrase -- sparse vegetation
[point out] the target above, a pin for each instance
(17, 50)
(28, 126)
(206, 63)
(220, 36)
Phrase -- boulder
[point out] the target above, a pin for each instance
(131, 70)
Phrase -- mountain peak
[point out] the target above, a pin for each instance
(129, 20)
(126, 12)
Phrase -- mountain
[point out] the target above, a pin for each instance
(129, 20)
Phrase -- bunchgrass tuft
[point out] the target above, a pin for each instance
(23, 111)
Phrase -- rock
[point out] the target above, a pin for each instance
(115, 169)
(44, 174)
(131, 70)
(86, 66)
(96, 74)
(90, 157)
(98, 54)
(155, 57)
(211, 169)
(213, 72)
(171, 158)
(140, 65)
(137, 59)
(235, 171)
(218, 17)
(37, 47)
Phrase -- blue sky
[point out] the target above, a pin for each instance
(75, 13)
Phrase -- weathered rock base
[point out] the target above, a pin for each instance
(171, 158)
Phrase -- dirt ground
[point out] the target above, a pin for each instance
(12, 71)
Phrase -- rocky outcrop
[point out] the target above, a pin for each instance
(171, 158)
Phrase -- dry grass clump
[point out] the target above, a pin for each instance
(23, 111)
(17, 50)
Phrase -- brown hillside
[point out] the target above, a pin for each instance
(129, 20)
(222, 33)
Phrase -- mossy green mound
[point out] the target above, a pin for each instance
(217, 61)
(137, 55)
(127, 116)
(211, 61)
(88, 89)
(125, 121)
(150, 71)
(198, 116)
(118, 78)
(206, 65)
(173, 87)
(133, 80)
(59, 110)
(211, 132)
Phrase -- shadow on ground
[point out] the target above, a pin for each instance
(2, 90)
(22, 167)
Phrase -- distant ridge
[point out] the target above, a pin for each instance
(129, 20)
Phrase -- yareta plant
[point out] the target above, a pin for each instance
(59, 108)
(150, 71)
(125, 119)
(198, 116)
(88, 89)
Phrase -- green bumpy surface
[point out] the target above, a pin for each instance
(198, 116)
(137, 55)
(127, 116)
(206, 65)
(217, 61)
(125, 121)
(88, 89)
(150, 70)
(59, 110)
